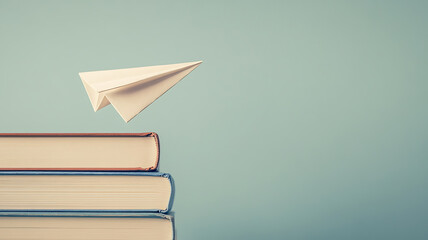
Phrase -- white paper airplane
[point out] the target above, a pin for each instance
(131, 90)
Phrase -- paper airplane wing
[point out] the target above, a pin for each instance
(131, 90)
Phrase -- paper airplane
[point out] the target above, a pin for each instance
(131, 90)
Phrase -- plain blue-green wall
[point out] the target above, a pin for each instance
(307, 120)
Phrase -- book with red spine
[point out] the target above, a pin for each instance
(79, 151)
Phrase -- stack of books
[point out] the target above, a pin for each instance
(83, 186)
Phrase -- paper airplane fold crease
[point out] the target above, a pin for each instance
(131, 90)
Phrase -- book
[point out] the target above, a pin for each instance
(79, 151)
(85, 226)
(65, 191)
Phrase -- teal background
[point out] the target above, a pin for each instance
(307, 119)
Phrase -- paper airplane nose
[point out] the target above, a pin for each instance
(131, 90)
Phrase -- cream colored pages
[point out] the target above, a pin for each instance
(62, 192)
(131, 90)
(62, 228)
(78, 153)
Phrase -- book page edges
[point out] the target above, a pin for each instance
(94, 211)
(145, 134)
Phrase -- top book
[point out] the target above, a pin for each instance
(79, 151)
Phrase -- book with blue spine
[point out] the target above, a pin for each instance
(85, 225)
(83, 191)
